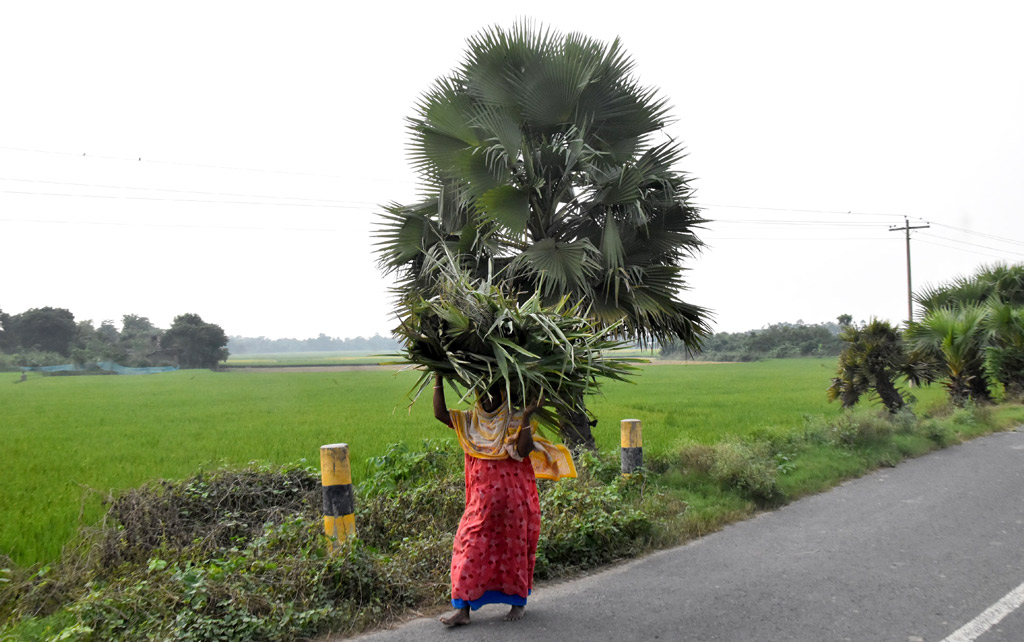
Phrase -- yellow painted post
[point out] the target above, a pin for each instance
(632, 446)
(339, 499)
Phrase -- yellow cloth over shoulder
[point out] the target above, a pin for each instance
(493, 435)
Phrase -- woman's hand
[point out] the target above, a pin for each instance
(532, 408)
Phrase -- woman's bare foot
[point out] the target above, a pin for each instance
(515, 613)
(460, 616)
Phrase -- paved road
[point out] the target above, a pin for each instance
(909, 554)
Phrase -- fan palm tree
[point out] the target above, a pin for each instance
(958, 338)
(998, 282)
(874, 358)
(539, 162)
(1005, 354)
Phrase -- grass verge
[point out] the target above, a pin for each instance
(237, 554)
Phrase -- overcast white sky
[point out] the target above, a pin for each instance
(226, 158)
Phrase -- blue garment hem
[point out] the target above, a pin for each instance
(491, 597)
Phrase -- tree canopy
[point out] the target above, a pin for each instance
(197, 344)
(540, 159)
(41, 329)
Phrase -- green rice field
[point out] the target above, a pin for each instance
(69, 441)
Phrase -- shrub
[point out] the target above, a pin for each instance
(591, 520)
(241, 555)
(751, 470)
(861, 428)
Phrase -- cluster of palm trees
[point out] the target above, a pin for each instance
(974, 327)
(971, 335)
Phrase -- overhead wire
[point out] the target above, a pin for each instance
(294, 201)
(1001, 239)
(140, 159)
(985, 247)
(181, 200)
(960, 249)
(166, 225)
(179, 191)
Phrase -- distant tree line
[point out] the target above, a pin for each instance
(322, 343)
(777, 341)
(51, 336)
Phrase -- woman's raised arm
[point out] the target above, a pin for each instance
(440, 407)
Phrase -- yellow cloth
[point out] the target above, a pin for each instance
(493, 435)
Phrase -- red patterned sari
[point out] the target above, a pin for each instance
(496, 544)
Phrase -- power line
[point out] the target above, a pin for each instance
(779, 222)
(790, 209)
(982, 234)
(985, 247)
(180, 200)
(188, 164)
(959, 249)
(166, 225)
(797, 240)
(178, 191)
(341, 204)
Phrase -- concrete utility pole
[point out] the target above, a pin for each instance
(906, 227)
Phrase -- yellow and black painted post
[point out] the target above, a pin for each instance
(632, 446)
(339, 499)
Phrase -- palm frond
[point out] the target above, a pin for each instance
(474, 335)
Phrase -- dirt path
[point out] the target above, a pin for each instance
(339, 368)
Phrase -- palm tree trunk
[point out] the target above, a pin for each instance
(888, 393)
(978, 386)
(575, 429)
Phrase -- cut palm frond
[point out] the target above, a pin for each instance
(476, 337)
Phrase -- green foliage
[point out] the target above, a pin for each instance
(777, 341)
(956, 337)
(197, 344)
(873, 359)
(472, 334)
(862, 428)
(34, 358)
(538, 158)
(745, 467)
(996, 295)
(999, 282)
(1004, 356)
(590, 522)
(129, 430)
(49, 337)
(41, 330)
(239, 555)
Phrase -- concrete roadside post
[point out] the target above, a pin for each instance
(632, 446)
(339, 500)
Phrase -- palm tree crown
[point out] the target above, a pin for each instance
(539, 163)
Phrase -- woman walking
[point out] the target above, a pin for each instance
(496, 544)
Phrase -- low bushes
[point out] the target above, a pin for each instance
(240, 555)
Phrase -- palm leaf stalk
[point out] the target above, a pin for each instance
(476, 337)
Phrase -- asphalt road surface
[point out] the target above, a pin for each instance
(930, 551)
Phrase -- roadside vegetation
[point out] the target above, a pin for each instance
(237, 553)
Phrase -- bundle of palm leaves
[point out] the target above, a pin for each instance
(477, 337)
